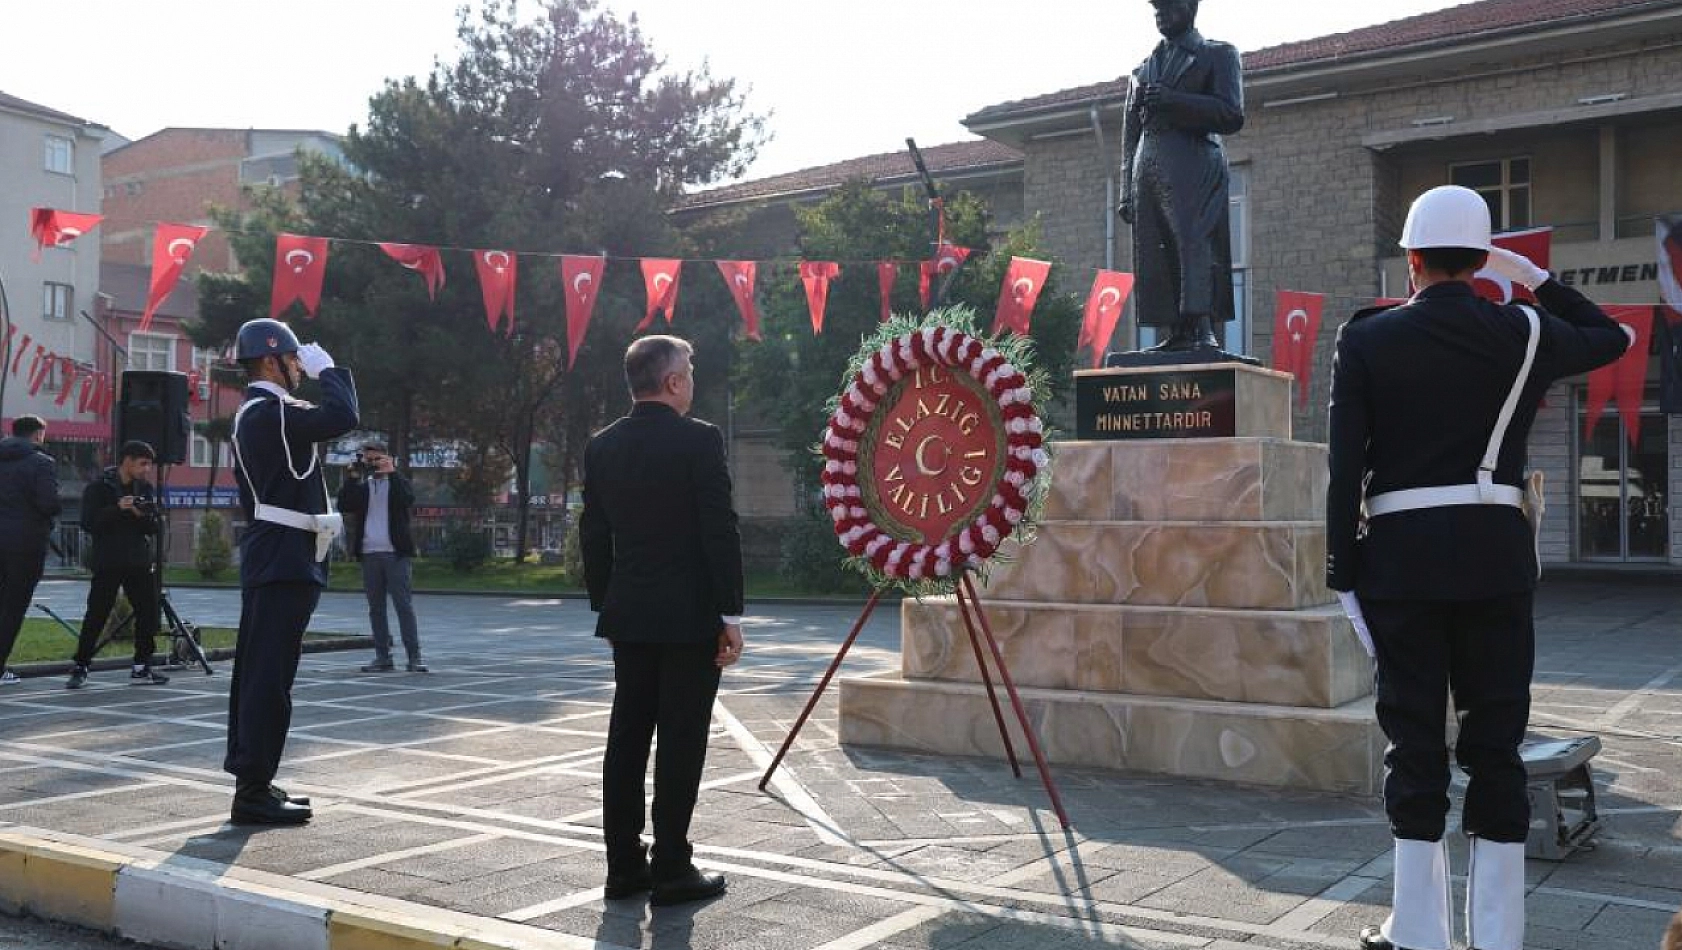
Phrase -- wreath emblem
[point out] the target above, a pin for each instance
(934, 453)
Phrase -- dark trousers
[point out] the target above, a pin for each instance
(20, 571)
(272, 619)
(1482, 652)
(388, 575)
(140, 585)
(666, 688)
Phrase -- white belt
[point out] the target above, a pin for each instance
(1443, 496)
(325, 527)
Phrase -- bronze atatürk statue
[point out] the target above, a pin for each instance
(1183, 98)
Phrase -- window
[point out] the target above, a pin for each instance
(151, 351)
(1235, 336)
(1504, 184)
(57, 301)
(201, 453)
(61, 155)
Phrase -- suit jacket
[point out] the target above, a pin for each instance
(399, 498)
(662, 554)
(1416, 390)
(121, 541)
(272, 553)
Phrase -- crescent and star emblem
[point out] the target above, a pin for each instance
(579, 285)
(1291, 320)
(492, 259)
(1108, 299)
(922, 464)
(292, 257)
(67, 234)
(180, 249)
(412, 265)
(660, 282)
(946, 264)
(742, 281)
(1022, 287)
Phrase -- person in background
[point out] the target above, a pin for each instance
(28, 504)
(378, 497)
(120, 514)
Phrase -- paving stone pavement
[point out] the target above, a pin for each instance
(476, 788)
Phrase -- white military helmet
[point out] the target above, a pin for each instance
(1449, 216)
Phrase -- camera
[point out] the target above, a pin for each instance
(359, 468)
(145, 505)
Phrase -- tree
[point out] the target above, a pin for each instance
(562, 132)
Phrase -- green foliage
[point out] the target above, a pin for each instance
(212, 554)
(811, 557)
(467, 546)
(572, 553)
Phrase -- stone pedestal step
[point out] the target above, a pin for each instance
(1276, 565)
(1289, 658)
(1333, 750)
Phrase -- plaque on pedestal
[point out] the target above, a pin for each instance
(1217, 401)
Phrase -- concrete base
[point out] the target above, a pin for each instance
(1332, 750)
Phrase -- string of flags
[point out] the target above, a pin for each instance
(301, 263)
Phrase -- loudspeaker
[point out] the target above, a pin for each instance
(154, 410)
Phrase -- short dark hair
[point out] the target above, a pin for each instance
(375, 445)
(25, 426)
(136, 449)
(649, 360)
(1452, 260)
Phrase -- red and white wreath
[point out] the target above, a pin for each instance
(1025, 456)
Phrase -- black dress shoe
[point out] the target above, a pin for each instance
(627, 884)
(691, 885)
(1372, 938)
(286, 796)
(257, 805)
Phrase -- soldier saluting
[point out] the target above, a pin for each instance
(284, 495)
(1432, 403)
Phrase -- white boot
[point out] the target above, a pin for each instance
(1495, 896)
(1419, 904)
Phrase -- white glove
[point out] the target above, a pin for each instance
(1516, 268)
(314, 359)
(1352, 609)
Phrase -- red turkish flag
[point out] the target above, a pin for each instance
(17, 354)
(54, 228)
(1536, 244)
(947, 258)
(1296, 327)
(90, 389)
(40, 369)
(172, 248)
(1624, 378)
(1024, 279)
(108, 397)
(582, 277)
(925, 277)
(660, 278)
(193, 380)
(68, 381)
(740, 277)
(816, 275)
(497, 275)
(1104, 306)
(886, 273)
(421, 259)
(300, 265)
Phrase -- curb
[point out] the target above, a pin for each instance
(193, 904)
(218, 655)
(572, 594)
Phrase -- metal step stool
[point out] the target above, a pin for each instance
(1561, 793)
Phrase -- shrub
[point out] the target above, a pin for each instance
(467, 546)
(212, 554)
(811, 557)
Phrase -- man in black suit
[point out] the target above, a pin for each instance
(1174, 179)
(282, 552)
(663, 563)
(1432, 403)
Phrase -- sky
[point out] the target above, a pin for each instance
(838, 80)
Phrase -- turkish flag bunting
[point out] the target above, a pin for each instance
(108, 397)
(583, 279)
(172, 248)
(300, 265)
(1536, 244)
(193, 380)
(1024, 279)
(740, 277)
(90, 388)
(1110, 290)
(886, 273)
(660, 278)
(1625, 377)
(816, 275)
(68, 381)
(17, 354)
(421, 259)
(497, 271)
(1296, 327)
(948, 258)
(54, 228)
(925, 277)
(40, 369)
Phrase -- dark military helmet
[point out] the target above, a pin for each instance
(260, 338)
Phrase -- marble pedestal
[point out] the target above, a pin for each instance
(1171, 616)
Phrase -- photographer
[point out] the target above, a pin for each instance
(377, 497)
(120, 512)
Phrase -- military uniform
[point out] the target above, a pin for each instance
(1446, 589)
(281, 565)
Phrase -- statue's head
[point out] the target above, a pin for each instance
(1175, 17)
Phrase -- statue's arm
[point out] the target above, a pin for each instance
(1131, 127)
(1221, 108)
